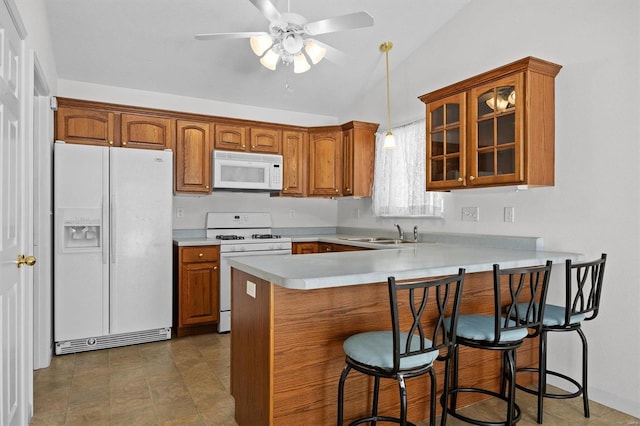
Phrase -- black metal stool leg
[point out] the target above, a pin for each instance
(585, 356)
(542, 373)
(376, 392)
(343, 377)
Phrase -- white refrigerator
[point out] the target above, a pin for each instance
(112, 246)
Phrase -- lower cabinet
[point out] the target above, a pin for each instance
(319, 247)
(196, 289)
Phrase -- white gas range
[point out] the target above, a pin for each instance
(241, 234)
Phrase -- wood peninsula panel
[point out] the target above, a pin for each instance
(307, 328)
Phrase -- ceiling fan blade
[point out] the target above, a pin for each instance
(340, 23)
(228, 36)
(268, 10)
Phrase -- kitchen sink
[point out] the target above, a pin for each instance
(378, 240)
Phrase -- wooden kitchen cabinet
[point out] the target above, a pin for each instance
(294, 163)
(147, 131)
(232, 137)
(493, 129)
(358, 157)
(265, 140)
(325, 161)
(196, 289)
(304, 248)
(85, 126)
(193, 156)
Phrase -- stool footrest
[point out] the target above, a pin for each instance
(454, 412)
(378, 419)
(546, 394)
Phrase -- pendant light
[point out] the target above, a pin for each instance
(389, 139)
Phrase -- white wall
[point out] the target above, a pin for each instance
(594, 205)
(286, 212)
(142, 98)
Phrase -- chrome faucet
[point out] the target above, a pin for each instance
(415, 234)
(400, 233)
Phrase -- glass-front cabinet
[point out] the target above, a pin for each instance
(493, 129)
(446, 151)
(496, 133)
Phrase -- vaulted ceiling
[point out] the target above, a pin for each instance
(150, 45)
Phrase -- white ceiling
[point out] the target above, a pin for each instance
(149, 45)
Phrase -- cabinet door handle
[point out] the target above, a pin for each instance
(124, 143)
(472, 178)
(215, 268)
(460, 179)
(110, 142)
(201, 254)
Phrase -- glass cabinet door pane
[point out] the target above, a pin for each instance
(486, 103)
(453, 141)
(453, 113)
(485, 164)
(506, 161)
(437, 170)
(437, 143)
(485, 133)
(506, 130)
(453, 168)
(437, 117)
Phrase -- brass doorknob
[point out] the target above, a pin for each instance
(28, 260)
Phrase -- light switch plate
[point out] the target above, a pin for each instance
(251, 289)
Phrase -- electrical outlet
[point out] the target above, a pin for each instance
(470, 214)
(292, 214)
(179, 212)
(509, 214)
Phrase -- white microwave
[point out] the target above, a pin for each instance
(247, 171)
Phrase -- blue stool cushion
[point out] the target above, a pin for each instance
(553, 315)
(481, 327)
(375, 348)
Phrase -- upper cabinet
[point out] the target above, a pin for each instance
(193, 156)
(147, 131)
(493, 129)
(294, 165)
(358, 157)
(232, 137)
(85, 126)
(325, 161)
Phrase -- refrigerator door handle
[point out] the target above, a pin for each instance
(112, 229)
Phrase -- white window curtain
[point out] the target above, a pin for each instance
(400, 176)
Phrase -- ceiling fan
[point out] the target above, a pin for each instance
(287, 42)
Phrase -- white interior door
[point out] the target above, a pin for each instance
(14, 221)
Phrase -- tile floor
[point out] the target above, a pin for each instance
(186, 382)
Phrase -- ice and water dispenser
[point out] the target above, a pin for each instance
(81, 229)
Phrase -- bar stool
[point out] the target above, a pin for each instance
(583, 287)
(527, 288)
(417, 339)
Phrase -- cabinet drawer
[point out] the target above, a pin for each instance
(200, 254)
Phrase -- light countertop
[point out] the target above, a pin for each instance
(322, 270)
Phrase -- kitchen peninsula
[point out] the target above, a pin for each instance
(291, 313)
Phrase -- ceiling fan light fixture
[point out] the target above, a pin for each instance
(315, 51)
(292, 43)
(300, 64)
(260, 44)
(270, 60)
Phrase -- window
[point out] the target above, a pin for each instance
(399, 179)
